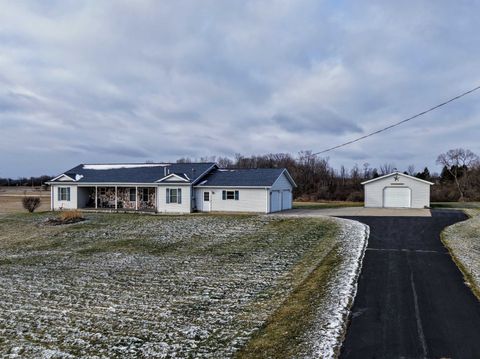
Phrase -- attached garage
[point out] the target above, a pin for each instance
(262, 190)
(397, 190)
(286, 199)
(275, 201)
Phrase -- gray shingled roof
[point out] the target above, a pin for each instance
(135, 172)
(254, 177)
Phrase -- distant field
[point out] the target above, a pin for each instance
(11, 198)
(329, 204)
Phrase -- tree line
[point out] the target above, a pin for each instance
(459, 179)
(25, 181)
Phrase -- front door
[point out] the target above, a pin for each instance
(206, 201)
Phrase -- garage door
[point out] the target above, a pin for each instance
(275, 201)
(286, 200)
(396, 197)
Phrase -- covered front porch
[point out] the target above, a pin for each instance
(132, 198)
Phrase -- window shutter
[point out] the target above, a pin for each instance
(236, 196)
(59, 194)
(168, 195)
(224, 195)
(179, 196)
(68, 193)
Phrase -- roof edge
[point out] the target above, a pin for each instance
(396, 173)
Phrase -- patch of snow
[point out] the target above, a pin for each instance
(325, 338)
(123, 165)
(463, 241)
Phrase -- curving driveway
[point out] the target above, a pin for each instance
(411, 300)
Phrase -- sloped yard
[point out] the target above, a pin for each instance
(463, 241)
(119, 286)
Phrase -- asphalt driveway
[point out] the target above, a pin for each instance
(411, 300)
(358, 212)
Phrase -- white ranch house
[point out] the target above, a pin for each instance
(397, 190)
(172, 188)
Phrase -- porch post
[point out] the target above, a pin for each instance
(136, 198)
(116, 197)
(96, 197)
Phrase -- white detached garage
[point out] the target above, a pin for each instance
(397, 190)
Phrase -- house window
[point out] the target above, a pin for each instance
(133, 195)
(206, 196)
(174, 195)
(64, 193)
(230, 195)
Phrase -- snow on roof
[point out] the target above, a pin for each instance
(123, 165)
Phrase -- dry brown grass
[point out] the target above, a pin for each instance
(11, 198)
(13, 204)
(70, 215)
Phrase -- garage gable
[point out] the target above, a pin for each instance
(396, 177)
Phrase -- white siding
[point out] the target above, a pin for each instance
(184, 207)
(275, 201)
(286, 200)
(282, 183)
(72, 204)
(250, 200)
(420, 191)
(284, 196)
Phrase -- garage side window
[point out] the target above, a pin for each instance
(230, 195)
(64, 193)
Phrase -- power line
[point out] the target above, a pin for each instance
(398, 123)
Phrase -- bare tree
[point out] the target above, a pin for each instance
(366, 171)
(184, 160)
(411, 170)
(224, 162)
(386, 168)
(457, 162)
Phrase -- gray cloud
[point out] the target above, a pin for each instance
(320, 121)
(129, 81)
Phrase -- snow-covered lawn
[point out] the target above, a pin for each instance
(119, 286)
(463, 241)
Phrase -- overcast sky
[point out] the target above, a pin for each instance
(130, 81)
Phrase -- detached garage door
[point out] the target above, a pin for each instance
(275, 201)
(397, 197)
(286, 200)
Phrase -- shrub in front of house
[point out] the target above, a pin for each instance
(31, 203)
